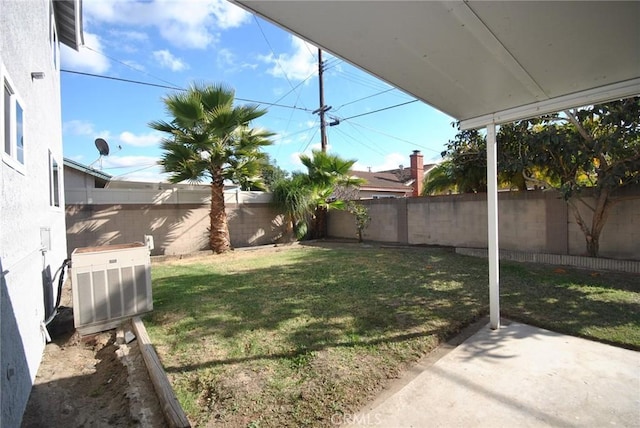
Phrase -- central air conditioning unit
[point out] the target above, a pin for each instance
(110, 283)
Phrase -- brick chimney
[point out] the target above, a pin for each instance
(417, 172)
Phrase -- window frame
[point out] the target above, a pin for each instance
(16, 151)
(54, 182)
(53, 37)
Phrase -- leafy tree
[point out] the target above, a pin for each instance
(596, 148)
(361, 216)
(468, 161)
(208, 138)
(271, 173)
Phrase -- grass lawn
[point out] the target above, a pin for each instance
(292, 336)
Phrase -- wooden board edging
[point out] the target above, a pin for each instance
(171, 408)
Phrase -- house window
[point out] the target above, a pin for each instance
(54, 182)
(13, 125)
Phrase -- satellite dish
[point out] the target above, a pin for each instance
(102, 146)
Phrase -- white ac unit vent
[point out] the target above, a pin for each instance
(109, 284)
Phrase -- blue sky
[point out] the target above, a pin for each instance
(175, 43)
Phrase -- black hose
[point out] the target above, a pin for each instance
(65, 264)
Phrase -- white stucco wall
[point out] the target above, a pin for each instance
(25, 198)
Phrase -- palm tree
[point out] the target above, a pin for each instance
(326, 173)
(210, 139)
(439, 180)
(292, 197)
(306, 197)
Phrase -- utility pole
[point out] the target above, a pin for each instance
(323, 135)
(323, 108)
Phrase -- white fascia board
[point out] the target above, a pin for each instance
(599, 95)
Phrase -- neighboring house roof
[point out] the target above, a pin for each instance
(381, 181)
(404, 174)
(68, 15)
(86, 169)
(392, 180)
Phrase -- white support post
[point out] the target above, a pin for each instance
(492, 208)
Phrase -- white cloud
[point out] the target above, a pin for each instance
(298, 65)
(391, 161)
(229, 15)
(226, 60)
(84, 128)
(141, 140)
(136, 36)
(192, 24)
(78, 127)
(85, 59)
(134, 65)
(167, 60)
(294, 158)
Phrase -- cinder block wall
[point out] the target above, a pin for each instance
(176, 228)
(534, 221)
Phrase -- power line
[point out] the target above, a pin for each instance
(156, 85)
(394, 137)
(275, 58)
(309, 142)
(128, 65)
(364, 98)
(379, 110)
(338, 130)
(119, 79)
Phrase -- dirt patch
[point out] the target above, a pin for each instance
(92, 383)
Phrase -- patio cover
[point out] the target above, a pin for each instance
(482, 62)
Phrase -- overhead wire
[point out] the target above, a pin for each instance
(394, 137)
(138, 82)
(275, 58)
(310, 140)
(345, 134)
(128, 65)
(364, 137)
(378, 110)
(364, 98)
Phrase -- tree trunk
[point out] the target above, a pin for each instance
(289, 234)
(319, 223)
(219, 229)
(599, 219)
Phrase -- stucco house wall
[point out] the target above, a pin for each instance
(32, 227)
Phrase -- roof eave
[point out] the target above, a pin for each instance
(599, 95)
(68, 14)
(85, 169)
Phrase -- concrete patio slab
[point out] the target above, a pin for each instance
(518, 375)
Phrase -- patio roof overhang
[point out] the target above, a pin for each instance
(479, 61)
(482, 62)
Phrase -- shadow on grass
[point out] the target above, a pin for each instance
(349, 296)
(320, 299)
(600, 306)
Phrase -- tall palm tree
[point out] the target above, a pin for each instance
(209, 138)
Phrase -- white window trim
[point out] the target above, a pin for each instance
(11, 160)
(53, 38)
(55, 188)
